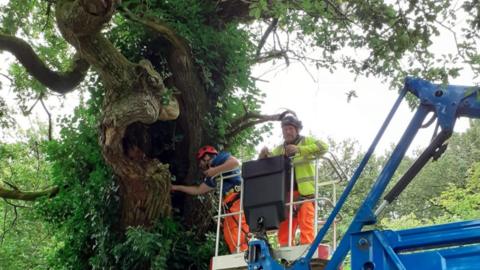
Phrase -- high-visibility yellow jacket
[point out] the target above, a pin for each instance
(309, 148)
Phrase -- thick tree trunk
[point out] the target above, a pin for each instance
(194, 106)
(133, 98)
(133, 94)
(145, 200)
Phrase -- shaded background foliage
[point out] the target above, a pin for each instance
(83, 217)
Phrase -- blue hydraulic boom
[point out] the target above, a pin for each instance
(447, 246)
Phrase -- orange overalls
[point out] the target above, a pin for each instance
(231, 204)
(302, 218)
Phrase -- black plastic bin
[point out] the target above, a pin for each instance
(264, 191)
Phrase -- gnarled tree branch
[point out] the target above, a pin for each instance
(27, 195)
(50, 125)
(265, 35)
(274, 54)
(57, 81)
(250, 119)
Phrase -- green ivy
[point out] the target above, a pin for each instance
(167, 246)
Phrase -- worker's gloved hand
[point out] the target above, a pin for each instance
(291, 150)
(264, 153)
(210, 172)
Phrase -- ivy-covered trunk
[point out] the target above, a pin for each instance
(134, 93)
(135, 102)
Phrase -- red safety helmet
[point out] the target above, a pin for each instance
(207, 149)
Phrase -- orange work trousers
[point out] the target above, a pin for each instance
(230, 225)
(303, 220)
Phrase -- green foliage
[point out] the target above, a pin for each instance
(445, 190)
(167, 246)
(463, 202)
(449, 170)
(223, 56)
(458, 202)
(404, 222)
(34, 22)
(378, 38)
(25, 241)
(6, 117)
(84, 210)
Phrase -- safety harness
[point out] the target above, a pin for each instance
(227, 205)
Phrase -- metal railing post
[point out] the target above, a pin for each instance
(290, 214)
(219, 216)
(315, 218)
(334, 222)
(239, 225)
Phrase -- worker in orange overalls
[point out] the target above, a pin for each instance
(300, 149)
(214, 163)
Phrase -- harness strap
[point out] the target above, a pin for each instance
(226, 208)
(230, 199)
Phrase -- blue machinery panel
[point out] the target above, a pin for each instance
(388, 249)
(419, 248)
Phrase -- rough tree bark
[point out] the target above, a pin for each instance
(133, 93)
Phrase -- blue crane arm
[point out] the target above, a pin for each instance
(447, 102)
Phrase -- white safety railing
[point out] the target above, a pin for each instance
(221, 213)
(337, 171)
(341, 176)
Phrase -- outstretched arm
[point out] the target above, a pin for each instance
(230, 164)
(192, 190)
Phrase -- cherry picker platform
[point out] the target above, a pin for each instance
(269, 176)
(439, 247)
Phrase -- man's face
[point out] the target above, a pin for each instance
(204, 163)
(289, 133)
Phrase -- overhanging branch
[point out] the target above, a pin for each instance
(50, 125)
(274, 54)
(27, 195)
(57, 81)
(250, 119)
(265, 35)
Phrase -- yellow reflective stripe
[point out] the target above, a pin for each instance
(299, 161)
(305, 179)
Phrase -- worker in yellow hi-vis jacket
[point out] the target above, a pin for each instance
(300, 149)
